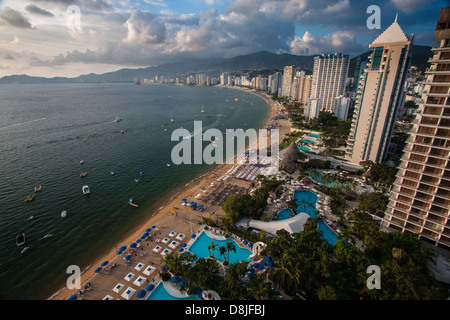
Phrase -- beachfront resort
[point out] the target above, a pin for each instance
(240, 232)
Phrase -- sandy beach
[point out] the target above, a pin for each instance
(186, 221)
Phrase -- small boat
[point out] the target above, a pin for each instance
(24, 250)
(83, 174)
(136, 180)
(112, 173)
(203, 109)
(171, 118)
(168, 165)
(30, 218)
(85, 189)
(117, 119)
(30, 198)
(81, 161)
(20, 239)
(141, 173)
(38, 189)
(122, 132)
(85, 138)
(47, 236)
(130, 202)
(63, 214)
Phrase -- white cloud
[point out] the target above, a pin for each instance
(309, 44)
(409, 6)
(145, 28)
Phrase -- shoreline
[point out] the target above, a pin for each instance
(155, 214)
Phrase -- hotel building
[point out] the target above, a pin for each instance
(379, 96)
(420, 197)
(329, 78)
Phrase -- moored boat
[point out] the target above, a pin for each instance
(38, 189)
(85, 189)
(30, 198)
(83, 174)
(20, 239)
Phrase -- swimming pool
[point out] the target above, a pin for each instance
(313, 135)
(307, 141)
(200, 249)
(318, 177)
(160, 293)
(303, 148)
(306, 202)
(284, 214)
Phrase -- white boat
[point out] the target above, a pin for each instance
(20, 239)
(168, 165)
(24, 249)
(63, 214)
(47, 236)
(117, 119)
(171, 118)
(203, 109)
(85, 189)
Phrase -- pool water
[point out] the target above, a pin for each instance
(313, 135)
(200, 249)
(306, 202)
(284, 214)
(307, 141)
(160, 293)
(318, 177)
(303, 148)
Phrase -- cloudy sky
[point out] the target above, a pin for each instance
(72, 37)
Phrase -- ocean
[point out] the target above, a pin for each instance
(45, 133)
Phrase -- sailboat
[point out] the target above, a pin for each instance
(171, 117)
(203, 109)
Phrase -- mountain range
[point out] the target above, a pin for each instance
(260, 62)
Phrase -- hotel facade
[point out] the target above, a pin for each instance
(379, 96)
(420, 197)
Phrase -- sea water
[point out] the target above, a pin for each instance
(47, 129)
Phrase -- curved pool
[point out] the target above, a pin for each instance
(200, 249)
(160, 293)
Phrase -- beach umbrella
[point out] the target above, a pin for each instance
(153, 227)
(180, 250)
(141, 294)
(175, 279)
(184, 245)
(250, 245)
(165, 267)
(139, 240)
(133, 245)
(128, 257)
(245, 242)
(73, 297)
(98, 270)
(193, 235)
(119, 252)
(150, 287)
(182, 283)
(123, 248)
(145, 234)
(104, 263)
(148, 230)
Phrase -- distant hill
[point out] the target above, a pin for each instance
(263, 62)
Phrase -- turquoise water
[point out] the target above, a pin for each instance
(307, 141)
(313, 135)
(200, 249)
(284, 214)
(41, 131)
(160, 293)
(318, 176)
(303, 148)
(307, 203)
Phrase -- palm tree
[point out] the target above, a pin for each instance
(286, 274)
(230, 247)
(211, 248)
(222, 251)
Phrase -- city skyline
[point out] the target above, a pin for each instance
(39, 40)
